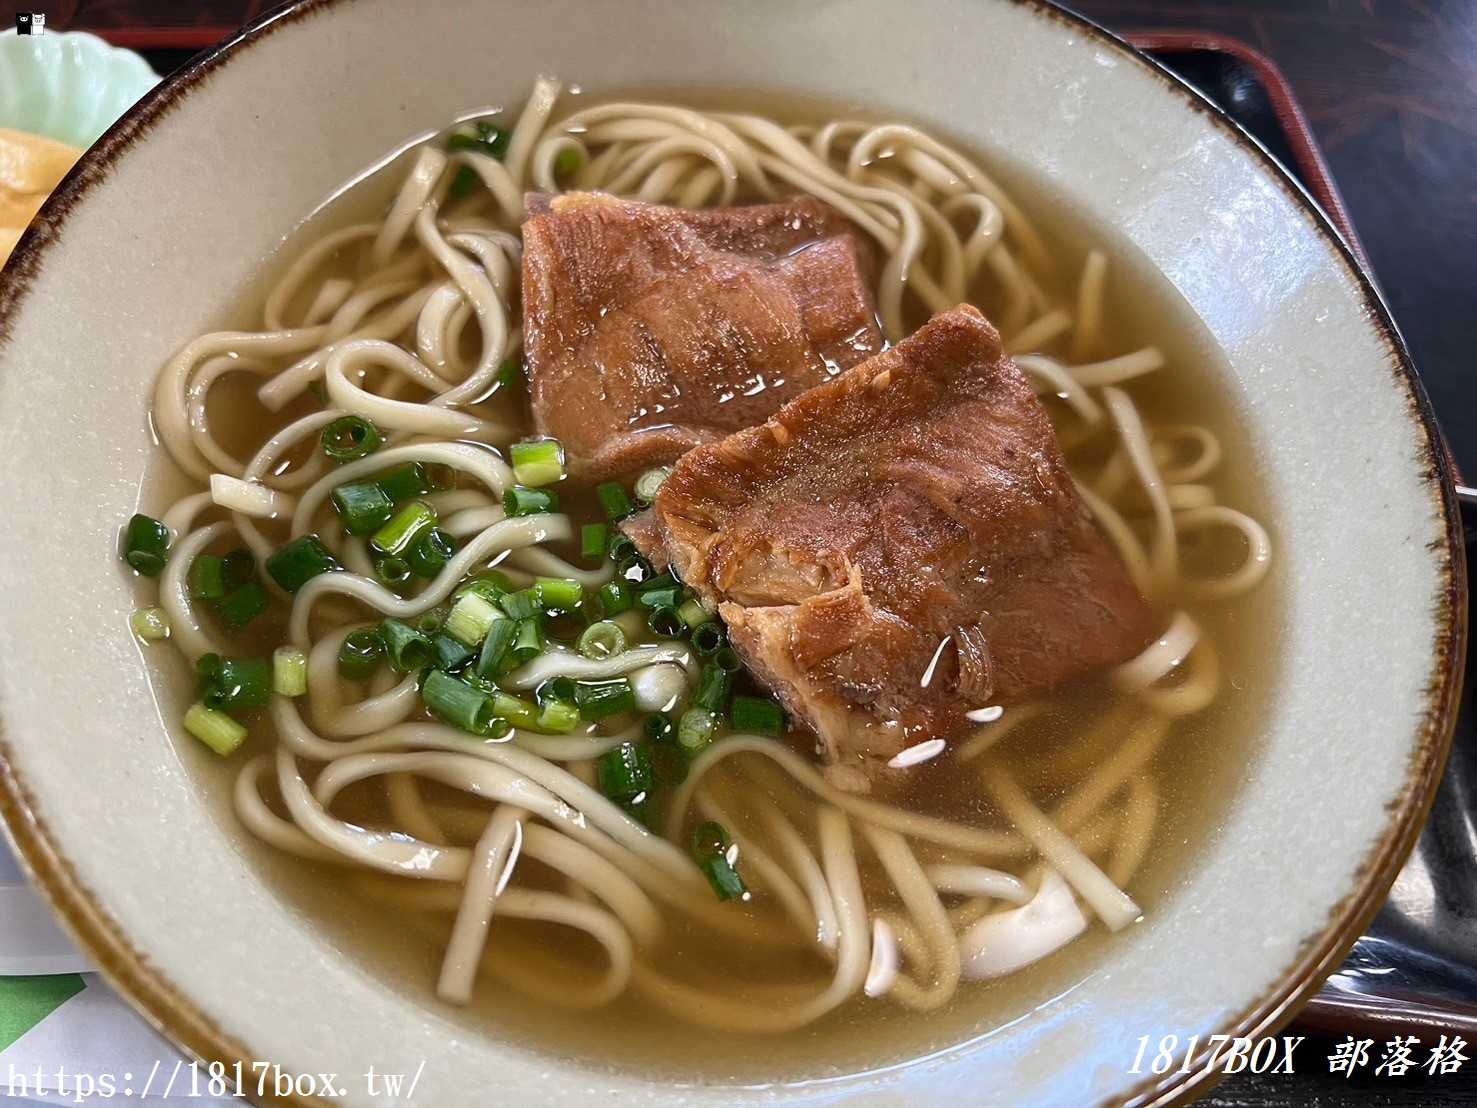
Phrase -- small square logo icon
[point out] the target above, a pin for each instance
(30, 23)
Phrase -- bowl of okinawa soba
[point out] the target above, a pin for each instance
(855, 551)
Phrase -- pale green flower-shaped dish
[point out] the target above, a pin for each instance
(67, 86)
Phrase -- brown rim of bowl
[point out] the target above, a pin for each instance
(173, 1015)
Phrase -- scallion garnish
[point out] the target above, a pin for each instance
(599, 699)
(614, 500)
(245, 604)
(756, 715)
(665, 622)
(150, 624)
(622, 549)
(709, 840)
(555, 688)
(536, 464)
(405, 482)
(449, 654)
(516, 710)
(361, 653)
(429, 554)
(349, 438)
(406, 647)
(146, 545)
(594, 538)
(568, 161)
(207, 578)
(693, 614)
(393, 571)
(509, 374)
(458, 702)
(523, 603)
(362, 506)
(601, 640)
(726, 882)
(215, 729)
(397, 536)
(528, 644)
(708, 638)
(727, 659)
(625, 772)
(241, 684)
(431, 622)
(441, 476)
(496, 648)
(616, 597)
(471, 617)
(713, 688)
(289, 671)
(207, 669)
(659, 598)
(695, 729)
(559, 594)
(558, 717)
(650, 483)
(300, 561)
(659, 727)
(520, 501)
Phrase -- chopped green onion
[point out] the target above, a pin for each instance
(470, 618)
(695, 729)
(536, 464)
(405, 482)
(495, 648)
(289, 671)
(361, 653)
(146, 545)
(215, 729)
(319, 391)
(650, 483)
(708, 638)
(150, 624)
(238, 567)
(659, 598)
(457, 702)
(568, 161)
(241, 684)
(756, 715)
(665, 622)
(693, 614)
(659, 727)
(207, 669)
(397, 536)
(713, 688)
(509, 374)
(669, 764)
(710, 840)
(349, 438)
(555, 688)
(614, 500)
(661, 584)
(601, 640)
(492, 585)
(516, 710)
(558, 717)
(462, 183)
(207, 578)
(529, 643)
(615, 598)
(726, 882)
(624, 772)
(393, 572)
(622, 548)
(362, 506)
(300, 561)
(599, 699)
(487, 139)
(406, 647)
(431, 621)
(727, 659)
(450, 654)
(593, 540)
(441, 476)
(245, 604)
(429, 554)
(522, 604)
(559, 594)
(519, 501)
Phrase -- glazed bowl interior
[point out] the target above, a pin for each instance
(126, 825)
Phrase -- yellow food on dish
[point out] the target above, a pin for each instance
(30, 167)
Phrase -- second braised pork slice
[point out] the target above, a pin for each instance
(649, 330)
(899, 546)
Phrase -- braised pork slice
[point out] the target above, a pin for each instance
(649, 330)
(899, 546)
